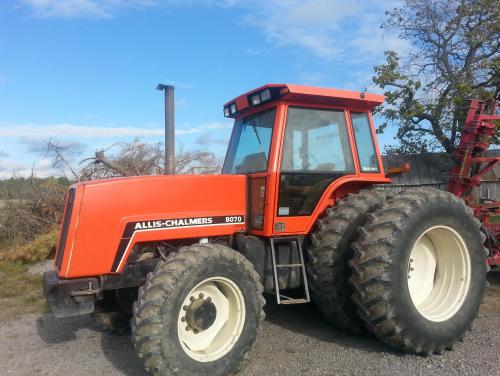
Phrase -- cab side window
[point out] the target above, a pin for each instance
(368, 160)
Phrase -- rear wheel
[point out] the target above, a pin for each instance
(330, 251)
(198, 312)
(438, 257)
(419, 271)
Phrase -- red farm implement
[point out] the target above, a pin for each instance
(479, 129)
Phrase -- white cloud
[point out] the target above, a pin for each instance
(329, 29)
(83, 8)
(92, 132)
(67, 135)
(42, 168)
(309, 24)
(311, 78)
(362, 80)
(108, 8)
(70, 130)
(40, 146)
(207, 139)
(252, 51)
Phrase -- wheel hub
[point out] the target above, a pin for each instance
(201, 313)
(211, 319)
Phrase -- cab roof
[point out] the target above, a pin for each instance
(311, 94)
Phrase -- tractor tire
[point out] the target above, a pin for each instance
(329, 252)
(419, 271)
(198, 313)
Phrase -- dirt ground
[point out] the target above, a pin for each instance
(295, 340)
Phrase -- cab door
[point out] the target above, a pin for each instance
(316, 152)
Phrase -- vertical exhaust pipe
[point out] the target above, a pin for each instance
(169, 128)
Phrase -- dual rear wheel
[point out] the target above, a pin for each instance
(415, 268)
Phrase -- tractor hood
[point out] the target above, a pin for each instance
(104, 219)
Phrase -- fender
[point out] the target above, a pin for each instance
(334, 192)
(340, 188)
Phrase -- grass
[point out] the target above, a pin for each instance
(36, 250)
(20, 292)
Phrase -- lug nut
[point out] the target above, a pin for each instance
(201, 295)
(188, 328)
(192, 298)
(209, 298)
(185, 308)
(183, 319)
(412, 269)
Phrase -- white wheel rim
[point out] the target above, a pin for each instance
(439, 273)
(221, 336)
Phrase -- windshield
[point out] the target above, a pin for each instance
(249, 147)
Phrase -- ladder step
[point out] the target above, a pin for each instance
(294, 301)
(280, 298)
(288, 265)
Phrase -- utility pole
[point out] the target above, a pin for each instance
(169, 128)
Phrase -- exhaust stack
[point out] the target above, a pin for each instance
(169, 128)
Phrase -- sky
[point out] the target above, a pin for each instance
(83, 73)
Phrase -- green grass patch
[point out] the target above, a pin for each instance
(20, 292)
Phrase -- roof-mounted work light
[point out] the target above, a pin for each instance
(230, 109)
(260, 97)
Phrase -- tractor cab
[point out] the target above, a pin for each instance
(297, 145)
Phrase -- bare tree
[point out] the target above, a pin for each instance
(31, 206)
(59, 156)
(196, 162)
(142, 158)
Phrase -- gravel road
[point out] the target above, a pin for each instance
(295, 340)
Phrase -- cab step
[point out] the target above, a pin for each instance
(280, 298)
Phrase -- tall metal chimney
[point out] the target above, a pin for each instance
(169, 128)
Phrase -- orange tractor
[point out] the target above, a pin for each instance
(295, 214)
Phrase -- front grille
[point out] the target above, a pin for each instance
(65, 227)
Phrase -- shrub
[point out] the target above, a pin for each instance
(40, 248)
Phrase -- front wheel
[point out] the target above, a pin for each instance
(198, 313)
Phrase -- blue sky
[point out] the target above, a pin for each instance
(83, 72)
